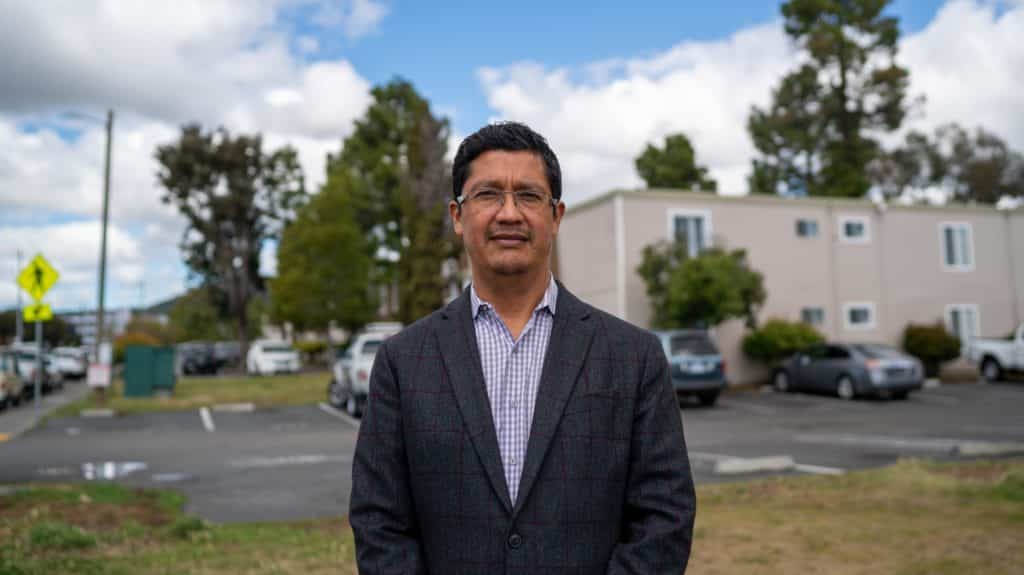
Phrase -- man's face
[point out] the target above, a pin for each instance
(507, 240)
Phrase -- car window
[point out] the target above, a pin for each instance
(277, 349)
(836, 352)
(370, 346)
(879, 351)
(691, 344)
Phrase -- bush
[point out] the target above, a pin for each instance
(931, 344)
(778, 339)
(312, 351)
(132, 338)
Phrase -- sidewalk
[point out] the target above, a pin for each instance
(17, 420)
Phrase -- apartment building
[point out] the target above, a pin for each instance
(856, 270)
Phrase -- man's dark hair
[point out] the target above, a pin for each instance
(511, 137)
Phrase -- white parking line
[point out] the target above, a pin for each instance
(204, 413)
(821, 470)
(332, 411)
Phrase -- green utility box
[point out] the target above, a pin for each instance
(147, 370)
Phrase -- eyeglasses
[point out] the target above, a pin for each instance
(493, 199)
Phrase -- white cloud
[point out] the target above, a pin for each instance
(598, 118)
(159, 65)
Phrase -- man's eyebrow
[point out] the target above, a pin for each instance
(519, 185)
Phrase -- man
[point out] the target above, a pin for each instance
(519, 430)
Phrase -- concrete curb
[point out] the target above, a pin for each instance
(738, 466)
(977, 448)
(93, 413)
(234, 407)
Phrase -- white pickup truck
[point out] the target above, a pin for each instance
(350, 375)
(996, 357)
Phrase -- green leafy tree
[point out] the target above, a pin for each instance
(778, 339)
(700, 291)
(194, 317)
(234, 196)
(55, 332)
(674, 166)
(324, 265)
(979, 167)
(819, 133)
(400, 183)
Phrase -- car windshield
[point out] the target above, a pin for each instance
(691, 344)
(370, 347)
(879, 351)
(277, 349)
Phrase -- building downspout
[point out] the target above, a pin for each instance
(1014, 294)
(833, 239)
(620, 255)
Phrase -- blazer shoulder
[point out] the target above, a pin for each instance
(620, 330)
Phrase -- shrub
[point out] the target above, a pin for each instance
(312, 351)
(132, 338)
(931, 344)
(778, 339)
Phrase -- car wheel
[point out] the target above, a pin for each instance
(336, 396)
(708, 398)
(781, 381)
(845, 388)
(991, 370)
(352, 405)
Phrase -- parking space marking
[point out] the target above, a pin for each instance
(332, 411)
(288, 460)
(204, 413)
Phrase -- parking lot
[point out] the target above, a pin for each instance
(236, 464)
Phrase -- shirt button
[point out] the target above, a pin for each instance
(513, 404)
(512, 460)
(515, 541)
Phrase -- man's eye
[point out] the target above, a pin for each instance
(487, 195)
(530, 198)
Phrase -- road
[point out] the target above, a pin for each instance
(295, 462)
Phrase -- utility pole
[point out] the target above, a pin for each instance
(19, 326)
(103, 240)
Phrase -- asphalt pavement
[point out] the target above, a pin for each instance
(295, 462)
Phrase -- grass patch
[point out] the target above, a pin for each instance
(914, 518)
(196, 392)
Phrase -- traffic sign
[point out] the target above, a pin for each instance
(38, 277)
(38, 312)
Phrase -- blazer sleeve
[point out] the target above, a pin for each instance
(661, 504)
(381, 509)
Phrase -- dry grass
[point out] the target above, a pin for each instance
(914, 518)
(195, 392)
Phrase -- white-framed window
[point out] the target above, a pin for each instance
(692, 227)
(859, 315)
(956, 239)
(962, 321)
(806, 228)
(814, 316)
(854, 229)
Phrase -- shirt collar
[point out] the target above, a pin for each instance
(549, 300)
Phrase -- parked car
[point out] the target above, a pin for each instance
(268, 357)
(350, 375)
(197, 358)
(26, 364)
(996, 357)
(850, 371)
(696, 366)
(72, 362)
(228, 353)
(12, 387)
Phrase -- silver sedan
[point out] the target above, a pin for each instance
(850, 371)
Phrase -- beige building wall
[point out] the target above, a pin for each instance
(897, 270)
(586, 255)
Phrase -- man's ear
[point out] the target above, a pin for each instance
(559, 211)
(455, 211)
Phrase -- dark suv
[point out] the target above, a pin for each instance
(696, 366)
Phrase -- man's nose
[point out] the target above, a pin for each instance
(509, 211)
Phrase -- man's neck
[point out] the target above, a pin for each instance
(513, 297)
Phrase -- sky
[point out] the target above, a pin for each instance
(600, 79)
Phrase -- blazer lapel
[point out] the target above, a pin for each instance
(457, 341)
(567, 350)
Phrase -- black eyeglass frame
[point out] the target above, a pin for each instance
(461, 199)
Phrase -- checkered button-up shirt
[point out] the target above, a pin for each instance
(512, 370)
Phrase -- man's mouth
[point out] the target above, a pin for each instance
(509, 239)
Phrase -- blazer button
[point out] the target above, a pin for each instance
(515, 541)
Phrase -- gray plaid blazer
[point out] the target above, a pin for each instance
(606, 485)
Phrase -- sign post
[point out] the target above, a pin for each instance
(37, 278)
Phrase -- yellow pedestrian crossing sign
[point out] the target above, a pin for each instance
(38, 277)
(38, 312)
